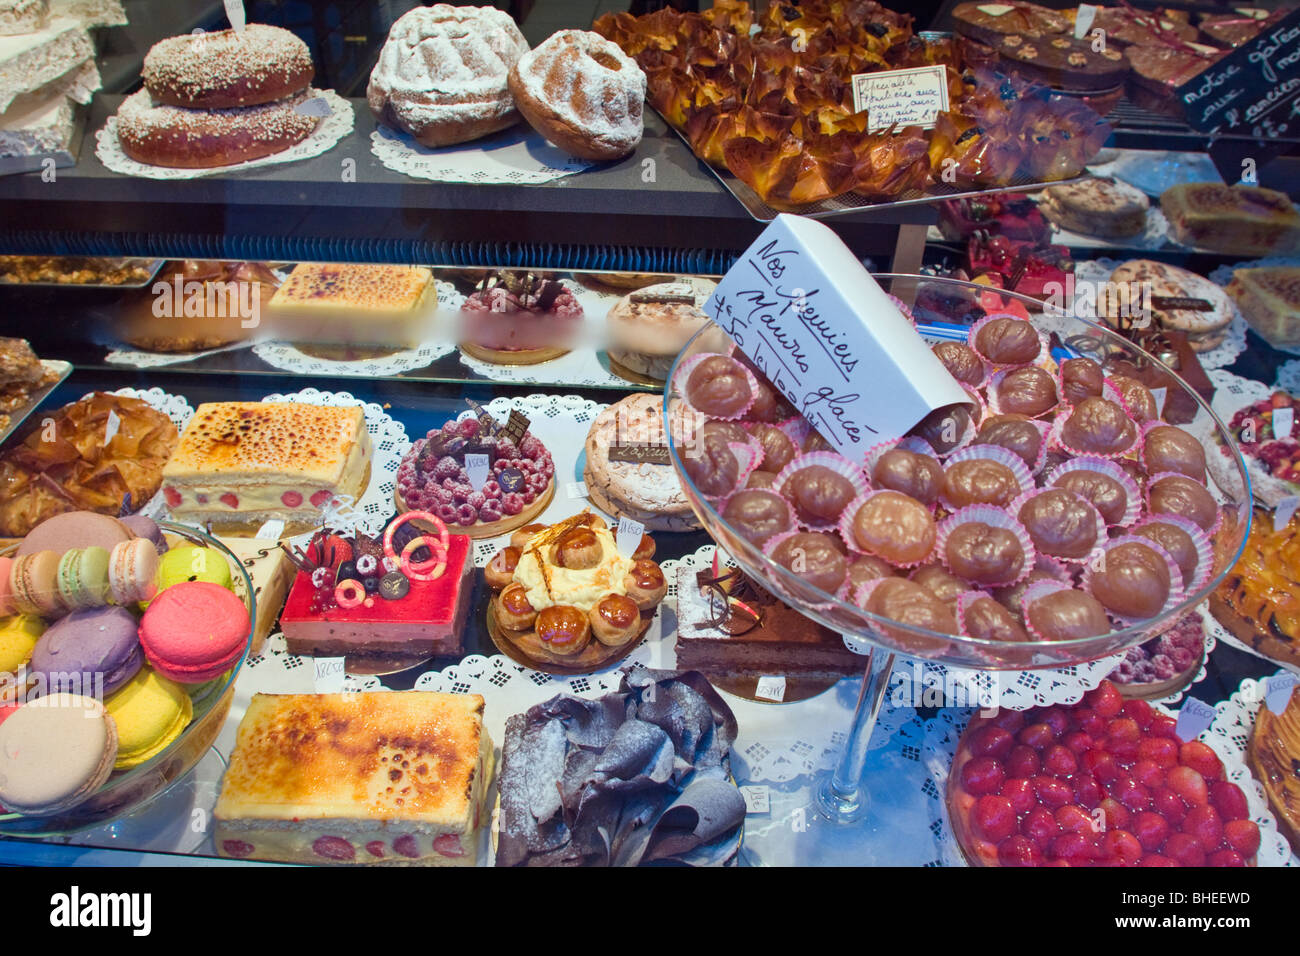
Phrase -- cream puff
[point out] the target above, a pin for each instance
(564, 629)
(514, 612)
(500, 571)
(578, 550)
(523, 535)
(645, 549)
(645, 584)
(615, 620)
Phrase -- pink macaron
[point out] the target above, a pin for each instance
(194, 631)
(133, 571)
(6, 593)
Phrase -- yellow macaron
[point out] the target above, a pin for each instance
(150, 712)
(18, 635)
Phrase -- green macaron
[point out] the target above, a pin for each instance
(83, 578)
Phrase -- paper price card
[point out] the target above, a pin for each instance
(1194, 719)
(1285, 510)
(903, 97)
(476, 466)
(628, 536)
(811, 318)
(235, 14)
(1277, 691)
(770, 688)
(758, 799)
(111, 427)
(329, 675)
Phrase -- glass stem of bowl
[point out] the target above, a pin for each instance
(841, 797)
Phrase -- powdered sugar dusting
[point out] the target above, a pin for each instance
(139, 119)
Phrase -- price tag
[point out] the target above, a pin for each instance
(329, 675)
(1284, 510)
(577, 489)
(758, 799)
(235, 14)
(1277, 691)
(995, 9)
(903, 97)
(770, 688)
(1159, 395)
(477, 467)
(1283, 419)
(629, 535)
(1194, 719)
(317, 106)
(110, 429)
(272, 530)
(1083, 18)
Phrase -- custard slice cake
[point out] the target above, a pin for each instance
(399, 777)
(324, 303)
(240, 464)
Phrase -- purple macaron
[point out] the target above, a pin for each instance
(77, 648)
(144, 527)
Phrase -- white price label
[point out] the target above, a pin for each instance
(110, 429)
(329, 675)
(1283, 419)
(1285, 509)
(272, 530)
(1194, 719)
(1277, 691)
(477, 467)
(317, 106)
(235, 14)
(1083, 18)
(770, 688)
(758, 799)
(901, 97)
(577, 489)
(629, 535)
(1159, 395)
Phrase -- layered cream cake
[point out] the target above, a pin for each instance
(348, 304)
(396, 778)
(240, 464)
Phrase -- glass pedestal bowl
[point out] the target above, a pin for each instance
(944, 309)
(128, 790)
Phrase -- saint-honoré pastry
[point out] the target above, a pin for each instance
(1237, 220)
(1097, 207)
(240, 464)
(1269, 299)
(348, 303)
(1274, 756)
(1145, 291)
(397, 778)
(649, 327)
(441, 75)
(628, 472)
(22, 16)
(729, 627)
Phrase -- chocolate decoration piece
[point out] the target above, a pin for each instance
(814, 557)
(713, 467)
(1081, 378)
(1008, 342)
(819, 494)
(1027, 391)
(1132, 580)
(394, 586)
(961, 361)
(1137, 397)
(1060, 524)
(987, 620)
(979, 481)
(516, 427)
(1169, 448)
(1067, 615)
(1099, 426)
(914, 474)
(895, 527)
(1014, 433)
(908, 603)
(940, 582)
(1177, 542)
(757, 515)
(778, 449)
(642, 454)
(944, 428)
(984, 554)
(662, 298)
(719, 386)
(510, 480)
(1101, 491)
(1180, 495)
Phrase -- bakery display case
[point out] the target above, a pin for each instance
(419, 350)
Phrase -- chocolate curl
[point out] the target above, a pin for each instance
(299, 560)
(730, 611)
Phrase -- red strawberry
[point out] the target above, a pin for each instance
(1161, 751)
(376, 849)
(1059, 761)
(991, 741)
(1019, 851)
(1225, 858)
(1023, 761)
(1151, 829)
(1106, 700)
(237, 848)
(1228, 799)
(449, 845)
(173, 500)
(334, 848)
(1242, 836)
(321, 498)
(982, 775)
(1120, 848)
(1189, 785)
(292, 499)
(1073, 818)
(230, 500)
(1020, 792)
(1038, 736)
(1184, 848)
(994, 818)
(1205, 824)
(1201, 758)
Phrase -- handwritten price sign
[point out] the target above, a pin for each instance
(803, 308)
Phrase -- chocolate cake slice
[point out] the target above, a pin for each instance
(722, 641)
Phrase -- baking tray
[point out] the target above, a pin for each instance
(19, 415)
(152, 265)
(850, 203)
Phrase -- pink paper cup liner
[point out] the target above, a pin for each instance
(747, 456)
(845, 528)
(989, 364)
(1014, 510)
(1036, 466)
(769, 548)
(902, 307)
(994, 517)
(797, 428)
(1107, 467)
(1036, 591)
(1057, 439)
(1153, 479)
(684, 375)
(994, 399)
(1204, 549)
(1176, 591)
(827, 459)
(1147, 428)
(995, 453)
(967, 434)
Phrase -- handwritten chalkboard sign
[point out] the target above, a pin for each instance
(807, 313)
(1255, 89)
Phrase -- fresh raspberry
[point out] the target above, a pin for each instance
(376, 849)
(476, 499)
(526, 467)
(461, 492)
(532, 446)
(468, 427)
(546, 467)
(490, 512)
(405, 844)
(467, 514)
(291, 499)
(512, 504)
(334, 848)
(450, 514)
(447, 467)
(1164, 667)
(507, 449)
(237, 848)
(529, 496)
(492, 490)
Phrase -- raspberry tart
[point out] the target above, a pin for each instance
(1273, 459)
(433, 478)
(1164, 665)
(1102, 783)
(519, 318)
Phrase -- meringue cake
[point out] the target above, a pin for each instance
(396, 777)
(240, 464)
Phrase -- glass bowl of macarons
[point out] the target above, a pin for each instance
(120, 643)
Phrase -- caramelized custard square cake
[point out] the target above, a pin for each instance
(248, 462)
(396, 777)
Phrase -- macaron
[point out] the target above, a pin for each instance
(75, 529)
(86, 647)
(83, 578)
(34, 581)
(150, 712)
(191, 563)
(18, 636)
(54, 753)
(6, 592)
(194, 631)
(133, 571)
(145, 527)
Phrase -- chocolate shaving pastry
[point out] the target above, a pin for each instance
(730, 598)
(637, 777)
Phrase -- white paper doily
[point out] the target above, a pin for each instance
(174, 407)
(289, 358)
(328, 132)
(1154, 235)
(1097, 271)
(1224, 737)
(929, 684)
(518, 156)
(1288, 377)
(1231, 394)
(139, 359)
